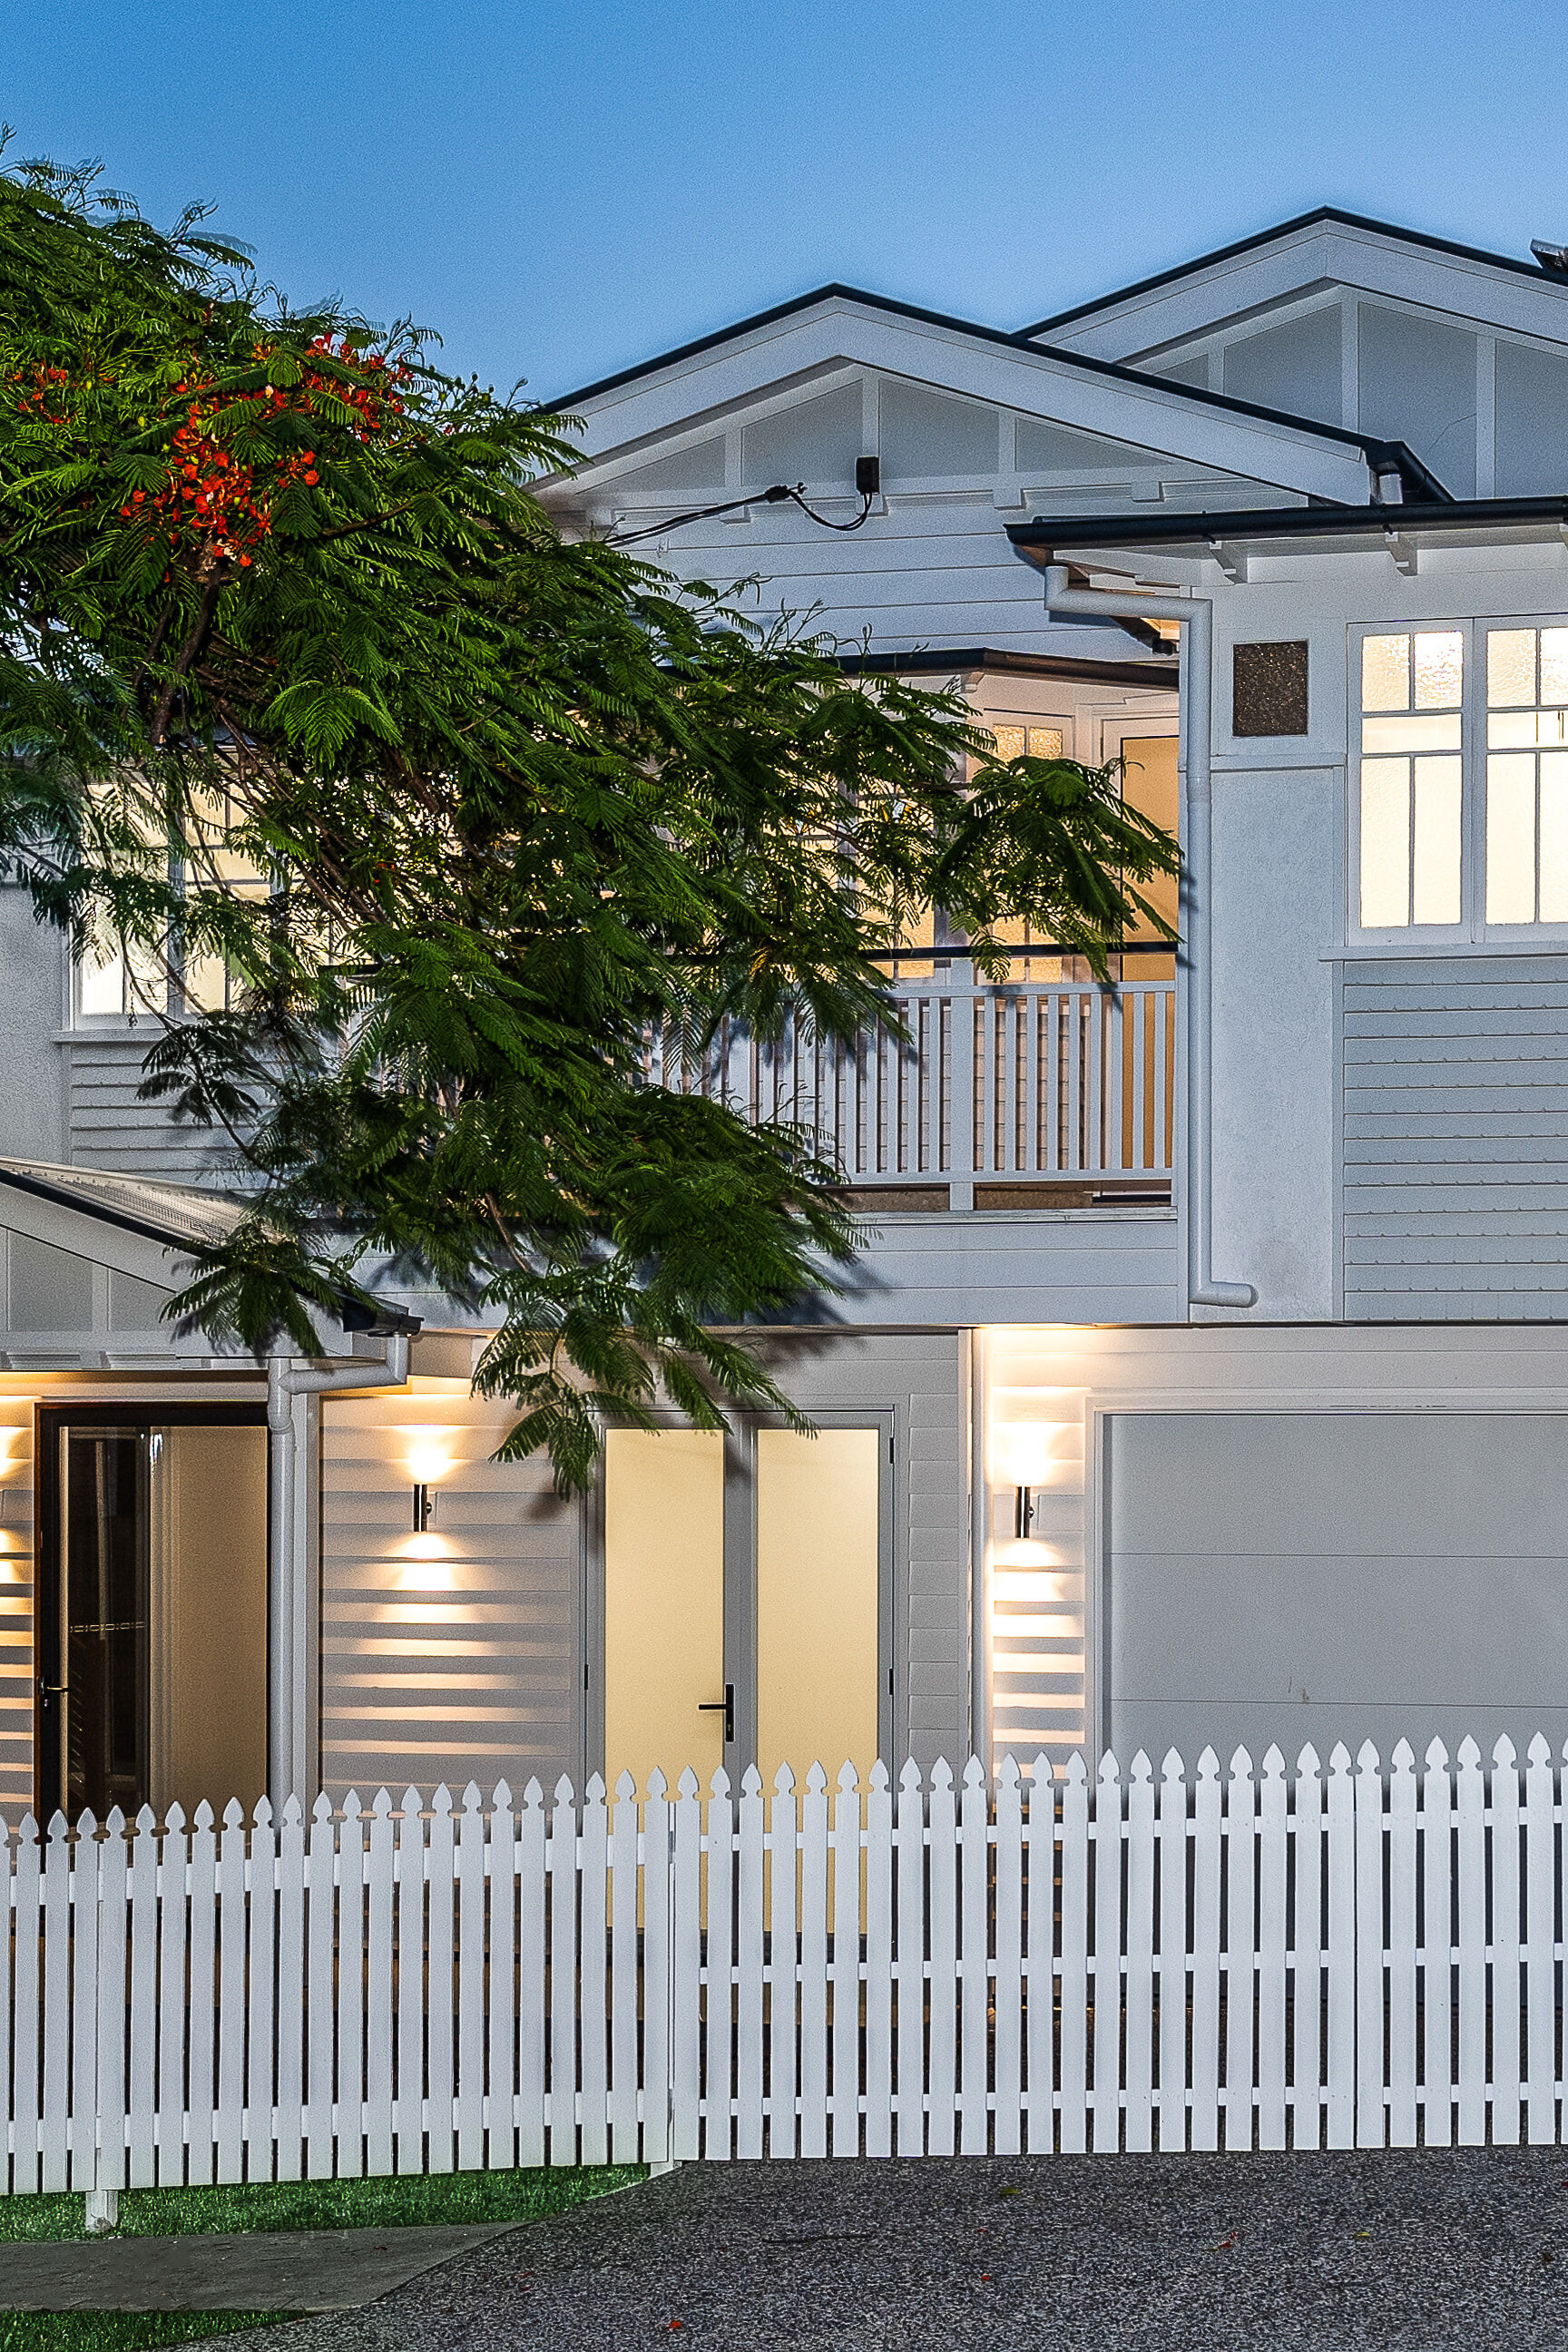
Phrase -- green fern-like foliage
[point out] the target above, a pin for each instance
(277, 600)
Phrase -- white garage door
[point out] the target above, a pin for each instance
(1335, 1576)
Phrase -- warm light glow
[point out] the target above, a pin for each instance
(427, 1565)
(428, 1451)
(1021, 1453)
(10, 1438)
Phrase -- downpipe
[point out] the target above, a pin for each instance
(1195, 614)
(287, 1377)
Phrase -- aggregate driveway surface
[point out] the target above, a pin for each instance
(1409, 2251)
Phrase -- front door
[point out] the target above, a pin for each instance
(153, 1611)
(746, 1601)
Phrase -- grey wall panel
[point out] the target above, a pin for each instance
(1455, 1122)
(1335, 1576)
(1076, 1266)
(109, 1128)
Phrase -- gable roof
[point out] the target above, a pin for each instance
(1381, 456)
(1322, 215)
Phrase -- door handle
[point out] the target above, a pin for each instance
(725, 1706)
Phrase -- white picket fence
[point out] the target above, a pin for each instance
(1349, 1958)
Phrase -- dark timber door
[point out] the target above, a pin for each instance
(101, 1704)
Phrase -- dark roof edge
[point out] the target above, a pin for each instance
(63, 1197)
(942, 659)
(1390, 452)
(1279, 522)
(1287, 229)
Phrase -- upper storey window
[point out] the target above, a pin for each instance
(1412, 779)
(1527, 775)
(1461, 804)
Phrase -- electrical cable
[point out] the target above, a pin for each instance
(866, 482)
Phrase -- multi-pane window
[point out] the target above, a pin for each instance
(180, 979)
(1412, 778)
(1527, 775)
(1039, 742)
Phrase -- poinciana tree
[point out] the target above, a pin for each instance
(299, 686)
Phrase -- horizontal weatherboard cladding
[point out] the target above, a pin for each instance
(1455, 1106)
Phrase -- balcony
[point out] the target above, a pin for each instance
(1045, 1090)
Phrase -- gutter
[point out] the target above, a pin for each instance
(1039, 540)
(1195, 614)
(290, 1756)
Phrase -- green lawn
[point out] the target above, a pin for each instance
(417, 2196)
(413, 2199)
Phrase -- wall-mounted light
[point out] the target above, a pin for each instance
(1022, 1512)
(423, 1507)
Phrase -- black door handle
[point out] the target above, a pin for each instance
(725, 1706)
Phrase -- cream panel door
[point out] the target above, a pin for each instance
(664, 1604)
(818, 1524)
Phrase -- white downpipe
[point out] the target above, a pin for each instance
(1195, 614)
(288, 1767)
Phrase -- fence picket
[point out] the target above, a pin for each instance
(941, 1988)
(1206, 1951)
(1272, 1980)
(1507, 1977)
(1539, 1969)
(1107, 1991)
(54, 2136)
(83, 2006)
(879, 1980)
(1377, 1951)
(624, 2147)
(321, 1928)
(1040, 1961)
(1402, 1946)
(1308, 1935)
(1437, 1945)
(1007, 2129)
(1470, 1799)
(468, 2099)
(1072, 2079)
(1172, 1834)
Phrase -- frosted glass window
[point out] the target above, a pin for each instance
(1412, 778)
(816, 441)
(1439, 669)
(100, 987)
(1510, 838)
(1434, 892)
(1417, 384)
(1044, 743)
(1553, 837)
(1511, 666)
(1011, 742)
(1554, 666)
(1385, 843)
(1527, 776)
(1531, 422)
(926, 433)
(1385, 673)
(1294, 367)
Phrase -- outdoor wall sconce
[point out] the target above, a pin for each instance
(423, 1507)
(1022, 1512)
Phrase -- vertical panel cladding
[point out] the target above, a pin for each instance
(16, 1573)
(110, 1128)
(920, 1375)
(455, 1654)
(1456, 1138)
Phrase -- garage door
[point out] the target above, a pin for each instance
(1335, 1576)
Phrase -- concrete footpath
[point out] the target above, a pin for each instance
(1409, 2251)
(285, 2270)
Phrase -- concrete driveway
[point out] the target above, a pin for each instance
(1439, 2251)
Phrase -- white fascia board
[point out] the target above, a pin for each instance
(1453, 284)
(704, 390)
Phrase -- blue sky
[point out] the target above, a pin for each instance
(565, 190)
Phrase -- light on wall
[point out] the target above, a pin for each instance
(1021, 1450)
(423, 1507)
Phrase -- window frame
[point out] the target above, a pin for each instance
(1472, 931)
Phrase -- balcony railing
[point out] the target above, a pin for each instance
(1038, 1083)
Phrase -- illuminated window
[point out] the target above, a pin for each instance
(1527, 775)
(1412, 779)
(1039, 742)
(144, 981)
